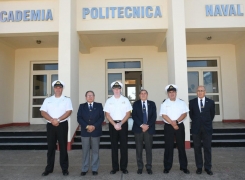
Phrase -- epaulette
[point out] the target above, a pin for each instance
(181, 99)
(164, 100)
(67, 97)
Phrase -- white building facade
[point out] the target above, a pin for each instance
(144, 44)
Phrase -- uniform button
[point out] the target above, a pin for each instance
(88, 120)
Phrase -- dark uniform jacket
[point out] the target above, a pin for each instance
(94, 117)
(204, 118)
(137, 116)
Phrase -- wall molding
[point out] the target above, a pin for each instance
(233, 121)
(15, 124)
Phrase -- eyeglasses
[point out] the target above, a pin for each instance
(90, 95)
(200, 90)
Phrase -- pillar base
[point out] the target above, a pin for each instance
(187, 145)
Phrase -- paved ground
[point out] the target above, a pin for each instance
(228, 163)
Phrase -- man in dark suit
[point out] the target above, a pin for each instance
(90, 116)
(202, 112)
(144, 116)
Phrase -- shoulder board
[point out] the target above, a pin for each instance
(164, 100)
(67, 97)
(181, 99)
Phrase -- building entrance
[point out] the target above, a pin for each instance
(129, 73)
(41, 87)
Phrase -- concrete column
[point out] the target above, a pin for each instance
(177, 58)
(69, 59)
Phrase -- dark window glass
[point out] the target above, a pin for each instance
(202, 63)
(217, 112)
(36, 113)
(215, 98)
(37, 101)
(192, 97)
(53, 66)
(210, 79)
(39, 85)
(121, 65)
(193, 81)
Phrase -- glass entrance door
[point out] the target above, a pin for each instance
(129, 73)
(41, 88)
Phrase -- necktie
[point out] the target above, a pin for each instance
(201, 105)
(144, 114)
(90, 107)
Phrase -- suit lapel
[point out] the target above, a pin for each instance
(206, 103)
(197, 105)
(141, 109)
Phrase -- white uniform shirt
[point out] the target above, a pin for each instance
(173, 109)
(56, 107)
(117, 107)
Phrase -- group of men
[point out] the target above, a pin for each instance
(117, 109)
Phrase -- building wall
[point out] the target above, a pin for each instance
(129, 24)
(30, 26)
(93, 71)
(7, 72)
(229, 84)
(240, 54)
(23, 59)
(195, 14)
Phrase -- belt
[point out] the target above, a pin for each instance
(60, 121)
(171, 125)
(117, 121)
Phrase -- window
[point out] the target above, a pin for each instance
(53, 66)
(123, 65)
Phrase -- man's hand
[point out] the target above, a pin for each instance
(90, 128)
(175, 125)
(117, 126)
(145, 127)
(55, 122)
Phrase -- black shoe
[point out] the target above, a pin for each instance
(186, 171)
(45, 173)
(209, 172)
(83, 173)
(139, 171)
(166, 171)
(94, 173)
(199, 171)
(125, 171)
(113, 171)
(65, 172)
(149, 171)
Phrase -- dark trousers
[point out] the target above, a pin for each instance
(122, 137)
(140, 138)
(206, 141)
(59, 133)
(169, 134)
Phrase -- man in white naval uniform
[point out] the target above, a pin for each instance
(174, 111)
(56, 110)
(117, 109)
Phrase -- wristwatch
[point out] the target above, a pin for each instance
(58, 120)
(177, 121)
